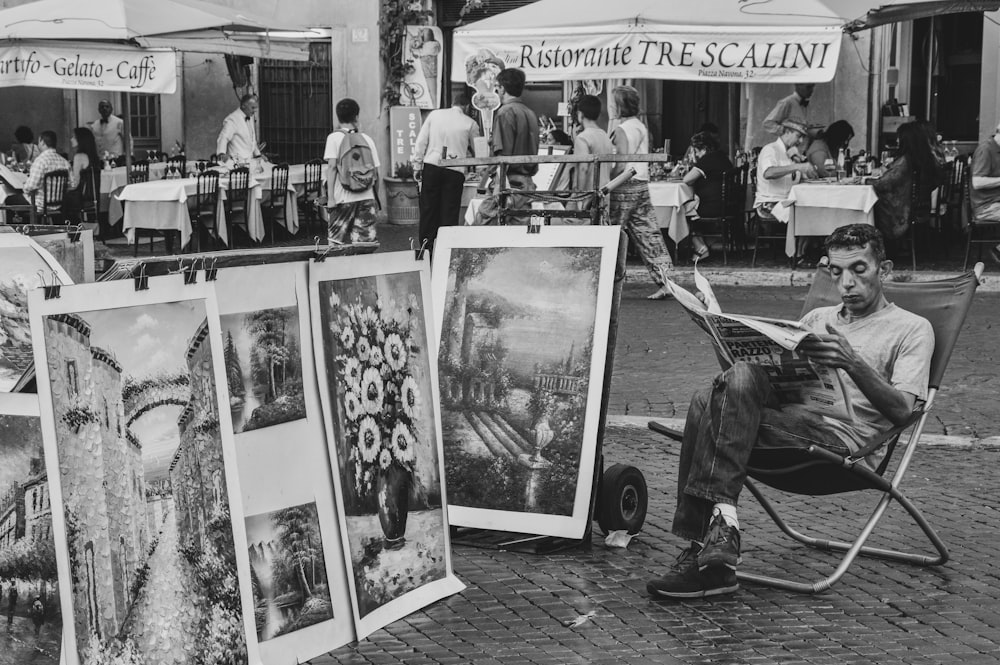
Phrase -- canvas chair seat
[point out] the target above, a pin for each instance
(816, 471)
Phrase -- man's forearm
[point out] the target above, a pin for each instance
(890, 402)
(985, 182)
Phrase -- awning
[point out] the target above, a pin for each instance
(909, 11)
(764, 41)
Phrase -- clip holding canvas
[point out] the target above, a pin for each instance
(51, 290)
(142, 280)
(190, 272)
(534, 228)
(320, 256)
(74, 235)
(212, 272)
(418, 252)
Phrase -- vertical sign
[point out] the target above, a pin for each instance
(404, 125)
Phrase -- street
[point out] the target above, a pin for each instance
(20, 646)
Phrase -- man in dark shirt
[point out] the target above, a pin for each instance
(515, 129)
(985, 190)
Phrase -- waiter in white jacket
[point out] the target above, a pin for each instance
(238, 137)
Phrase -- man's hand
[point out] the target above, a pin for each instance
(831, 350)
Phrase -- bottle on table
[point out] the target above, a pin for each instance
(841, 165)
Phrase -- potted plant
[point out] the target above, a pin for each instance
(402, 202)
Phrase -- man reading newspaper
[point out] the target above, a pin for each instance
(882, 354)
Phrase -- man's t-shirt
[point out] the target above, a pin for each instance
(985, 163)
(708, 187)
(340, 193)
(515, 132)
(897, 344)
(592, 141)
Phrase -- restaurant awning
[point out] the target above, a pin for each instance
(764, 41)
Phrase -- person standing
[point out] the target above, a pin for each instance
(450, 130)
(238, 138)
(515, 129)
(591, 140)
(352, 175)
(11, 603)
(37, 614)
(793, 107)
(109, 130)
(985, 186)
(630, 205)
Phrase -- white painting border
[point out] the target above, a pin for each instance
(117, 295)
(288, 464)
(350, 267)
(481, 237)
(86, 239)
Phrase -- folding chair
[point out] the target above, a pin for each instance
(816, 471)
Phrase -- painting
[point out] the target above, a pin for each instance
(263, 367)
(75, 256)
(376, 360)
(300, 611)
(523, 321)
(150, 518)
(24, 265)
(290, 587)
(29, 589)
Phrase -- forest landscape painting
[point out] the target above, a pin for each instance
(517, 349)
(150, 540)
(290, 587)
(263, 367)
(28, 578)
(378, 378)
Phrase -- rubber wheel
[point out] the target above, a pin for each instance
(621, 499)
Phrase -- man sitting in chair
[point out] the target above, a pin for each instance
(885, 354)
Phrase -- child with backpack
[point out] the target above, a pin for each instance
(352, 179)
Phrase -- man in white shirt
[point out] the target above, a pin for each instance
(793, 107)
(108, 130)
(238, 138)
(777, 172)
(352, 213)
(441, 188)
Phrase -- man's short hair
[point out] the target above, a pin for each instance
(48, 137)
(460, 99)
(589, 106)
(857, 236)
(512, 81)
(348, 110)
(23, 134)
(247, 97)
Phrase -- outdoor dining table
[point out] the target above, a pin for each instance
(669, 198)
(12, 181)
(817, 208)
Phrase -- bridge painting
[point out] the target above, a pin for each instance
(515, 368)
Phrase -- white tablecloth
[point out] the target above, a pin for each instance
(162, 205)
(15, 179)
(668, 198)
(819, 208)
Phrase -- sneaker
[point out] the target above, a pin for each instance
(722, 547)
(685, 580)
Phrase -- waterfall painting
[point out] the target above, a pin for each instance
(523, 322)
(376, 362)
(302, 606)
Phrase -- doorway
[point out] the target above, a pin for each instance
(687, 105)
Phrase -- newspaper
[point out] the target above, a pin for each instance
(770, 343)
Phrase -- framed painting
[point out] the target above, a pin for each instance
(29, 585)
(376, 361)
(147, 515)
(523, 321)
(302, 606)
(24, 265)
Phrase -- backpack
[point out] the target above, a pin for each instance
(355, 163)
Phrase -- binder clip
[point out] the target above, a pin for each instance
(190, 272)
(418, 252)
(51, 290)
(534, 228)
(212, 272)
(74, 234)
(142, 280)
(320, 257)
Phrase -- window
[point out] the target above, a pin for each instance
(296, 106)
(144, 122)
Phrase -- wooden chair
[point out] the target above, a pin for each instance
(206, 203)
(90, 184)
(312, 192)
(274, 207)
(816, 471)
(138, 172)
(946, 214)
(176, 167)
(726, 227)
(237, 201)
(52, 191)
(770, 230)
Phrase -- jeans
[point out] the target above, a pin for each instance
(739, 413)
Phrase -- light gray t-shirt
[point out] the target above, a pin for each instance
(895, 343)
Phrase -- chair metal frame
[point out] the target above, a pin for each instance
(274, 206)
(818, 471)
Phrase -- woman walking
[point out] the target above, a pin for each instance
(630, 205)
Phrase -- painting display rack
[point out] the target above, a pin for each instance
(543, 544)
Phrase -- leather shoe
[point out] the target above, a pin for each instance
(995, 253)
